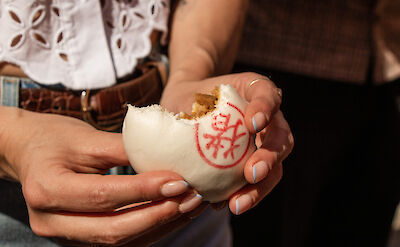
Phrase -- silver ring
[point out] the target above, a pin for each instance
(254, 81)
(278, 90)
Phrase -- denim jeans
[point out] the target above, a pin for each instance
(211, 229)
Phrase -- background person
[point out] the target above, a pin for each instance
(338, 63)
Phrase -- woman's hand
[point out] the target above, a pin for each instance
(59, 162)
(263, 170)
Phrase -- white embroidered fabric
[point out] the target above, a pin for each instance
(79, 43)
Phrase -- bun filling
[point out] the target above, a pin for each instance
(203, 104)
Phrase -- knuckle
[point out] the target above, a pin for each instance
(272, 100)
(40, 229)
(112, 240)
(278, 100)
(36, 196)
(142, 190)
(113, 236)
(168, 212)
(100, 196)
(274, 158)
(251, 75)
(287, 146)
(268, 103)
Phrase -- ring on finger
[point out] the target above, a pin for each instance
(278, 90)
(254, 81)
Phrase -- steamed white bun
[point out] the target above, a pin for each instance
(208, 152)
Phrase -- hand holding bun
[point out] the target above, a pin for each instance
(208, 148)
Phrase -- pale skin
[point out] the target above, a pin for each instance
(60, 161)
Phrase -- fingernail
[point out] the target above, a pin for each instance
(243, 203)
(190, 202)
(260, 170)
(174, 188)
(259, 121)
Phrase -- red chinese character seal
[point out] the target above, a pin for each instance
(226, 141)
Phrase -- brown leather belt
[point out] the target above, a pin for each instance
(105, 108)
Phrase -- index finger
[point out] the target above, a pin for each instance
(264, 101)
(99, 193)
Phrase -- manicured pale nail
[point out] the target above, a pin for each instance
(260, 170)
(243, 203)
(259, 121)
(191, 202)
(174, 188)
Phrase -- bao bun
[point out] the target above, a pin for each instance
(207, 148)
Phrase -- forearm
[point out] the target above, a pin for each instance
(9, 117)
(205, 36)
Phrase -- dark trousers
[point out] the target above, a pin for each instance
(341, 184)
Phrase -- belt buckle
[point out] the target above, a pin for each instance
(87, 113)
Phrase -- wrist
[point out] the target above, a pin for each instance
(6, 170)
(196, 63)
(11, 137)
(7, 115)
(181, 76)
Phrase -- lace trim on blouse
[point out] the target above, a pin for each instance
(79, 43)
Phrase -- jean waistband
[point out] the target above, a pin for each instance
(10, 85)
(9, 89)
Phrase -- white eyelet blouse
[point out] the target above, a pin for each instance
(79, 43)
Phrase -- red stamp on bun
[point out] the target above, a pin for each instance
(221, 146)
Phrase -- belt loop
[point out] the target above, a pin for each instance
(9, 91)
(85, 108)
